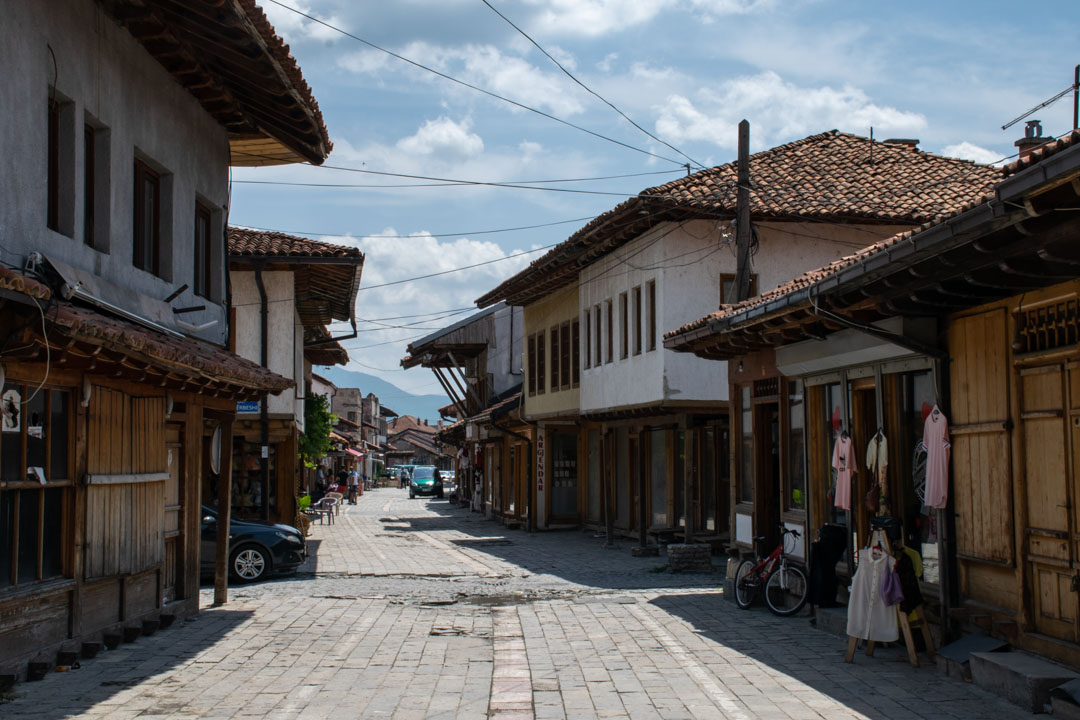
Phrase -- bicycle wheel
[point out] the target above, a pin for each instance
(785, 590)
(747, 584)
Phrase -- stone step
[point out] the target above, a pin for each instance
(1020, 678)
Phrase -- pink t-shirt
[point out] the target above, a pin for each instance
(936, 440)
(843, 461)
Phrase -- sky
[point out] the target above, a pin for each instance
(949, 73)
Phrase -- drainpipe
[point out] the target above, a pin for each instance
(264, 420)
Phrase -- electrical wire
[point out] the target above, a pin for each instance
(587, 88)
(471, 86)
(434, 235)
(442, 182)
(459, 269)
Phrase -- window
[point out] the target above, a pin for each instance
(637, 320)
(598, 356)
(532, 364)
(729, 293)
(796, 455)
(588, 339)
(96, 195)
(541, 363)
(650, 290)
(555, 359)
(60, 164)
(575, 331)
(89, 189)
(34, 447)
(147, 230)
(610, 331)
(203, 250)
(624, 327)
(564, 356)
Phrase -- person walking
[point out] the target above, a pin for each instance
(354, 485)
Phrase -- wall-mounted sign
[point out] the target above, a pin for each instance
(540, 461)
(247, 406)
(11, 410)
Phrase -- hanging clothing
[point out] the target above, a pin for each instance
(869, 618)
(909, 582)
(877, 458)
(844, 463)
(824, 554)
(936, 439)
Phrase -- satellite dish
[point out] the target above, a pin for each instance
(215, 451)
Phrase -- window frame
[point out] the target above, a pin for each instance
(650, 290)
(141, 244)
(531, 359)
(555, 364)
(598, 351)
(729, 279)
(541, 362)
(565, 357)
(609, 310)
(575, 370)
(588, 338)
(203, 273)
(637, 319)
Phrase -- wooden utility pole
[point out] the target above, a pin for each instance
(742, 216)
(224, 514)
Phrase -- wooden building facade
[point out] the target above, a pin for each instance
(972, 319)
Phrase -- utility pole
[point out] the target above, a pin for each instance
(742, 216)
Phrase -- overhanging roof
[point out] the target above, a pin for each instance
(465, 338)
(1013, 241)
(228, 56)
(832, 176)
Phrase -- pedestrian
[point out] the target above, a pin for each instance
(354, 483)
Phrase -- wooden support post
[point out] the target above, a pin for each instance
(221, 565)
(192, 500)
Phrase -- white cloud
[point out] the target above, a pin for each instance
(443, 137)
(596, 18)
(777, 111)
(293, 27)
(969, 151)
(486, 67)
(378, 350)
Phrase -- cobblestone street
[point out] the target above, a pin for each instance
(416, 609)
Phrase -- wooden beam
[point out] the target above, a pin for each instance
(224, 515)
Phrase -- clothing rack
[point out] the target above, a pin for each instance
(880, 537)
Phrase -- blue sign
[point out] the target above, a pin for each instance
(247, 406)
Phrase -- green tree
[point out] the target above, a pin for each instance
(318, 422)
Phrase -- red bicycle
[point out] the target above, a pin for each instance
(784, 585)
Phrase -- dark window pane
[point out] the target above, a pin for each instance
(658, 476)
(51, 557)
(37, 419)
(7, 526)
(28, 533)
(89, 191)
(59, 426)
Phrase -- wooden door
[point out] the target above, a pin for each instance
(1048, 477)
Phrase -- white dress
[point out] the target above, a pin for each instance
(869, 618)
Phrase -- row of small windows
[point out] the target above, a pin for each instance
(555, 355)
(151, 202)
(636, 325)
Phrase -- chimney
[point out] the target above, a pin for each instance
(1032, 139)
(912, 143)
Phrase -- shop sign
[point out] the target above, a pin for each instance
(247, 406)
(540, 461)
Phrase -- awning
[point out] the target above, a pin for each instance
(353, 452)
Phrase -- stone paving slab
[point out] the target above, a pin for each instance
(416, 609)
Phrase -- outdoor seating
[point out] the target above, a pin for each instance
(324, 508)
(339, 499)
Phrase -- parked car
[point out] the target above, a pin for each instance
(256, 549)
(426, 480)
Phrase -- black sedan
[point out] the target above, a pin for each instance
(256, 549)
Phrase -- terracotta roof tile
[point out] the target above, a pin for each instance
(1042, 152)
(17, 282)
(829, 176)
(265, 243)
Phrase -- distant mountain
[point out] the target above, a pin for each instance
(425, 407)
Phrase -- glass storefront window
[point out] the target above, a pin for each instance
(796, 459)
(251, 498)
(708, 479)
(563, 474)
(746, 446)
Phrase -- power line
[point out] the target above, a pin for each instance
(440, 182)
(471, 86)
(458, 269)
(434, 235)
(587, 88)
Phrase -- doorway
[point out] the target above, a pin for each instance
(767, 485)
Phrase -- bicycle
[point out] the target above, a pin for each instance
(784, 585)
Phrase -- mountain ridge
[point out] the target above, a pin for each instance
(425, 407)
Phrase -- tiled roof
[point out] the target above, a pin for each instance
(17, 282)
(266, 243)
(1042, 152)
(832, 176)
(408, 422)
